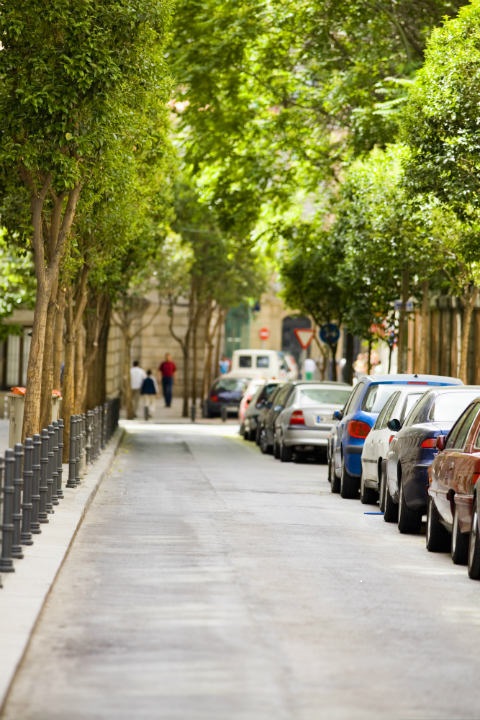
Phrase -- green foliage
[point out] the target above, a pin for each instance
(310, 273)
(441, 119)
(17, 282)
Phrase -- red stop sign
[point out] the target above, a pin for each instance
(264, 333)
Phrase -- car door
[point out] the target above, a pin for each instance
(453, 466)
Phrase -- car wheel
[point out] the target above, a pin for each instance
(276, 448)
(286, 453)
(474, 547)
(264, 446)
(332, 478)
(381, 491)
(390, 511)
(368, 496)
(348, 484)
(437, 538)
(459, 549)
(409, 521)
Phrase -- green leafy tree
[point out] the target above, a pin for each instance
(441, 128)
(71, 77)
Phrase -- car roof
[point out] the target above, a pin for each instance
(410, 378)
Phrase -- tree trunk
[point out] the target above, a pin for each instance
(469, 302)
(58, 351)
(48, 254)
(97, 343)
(48, 360)
(403, 325)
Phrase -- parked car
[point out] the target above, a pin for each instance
(378, 441)
(356, 420)
(304, 423)
(452, 514)
(267, 416)
(258, 401)
(253, 385)
(413, 449)
(225, 395)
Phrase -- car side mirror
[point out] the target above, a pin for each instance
(441, 442)
(394, 425)
(338, 414)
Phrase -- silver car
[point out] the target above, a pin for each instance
(305, 422)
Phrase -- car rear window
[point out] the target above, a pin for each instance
(376, 397)
(448, 407)
(231, 384)
(329, 396)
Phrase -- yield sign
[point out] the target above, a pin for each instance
(304, 336)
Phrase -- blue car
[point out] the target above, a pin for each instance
(357, 418)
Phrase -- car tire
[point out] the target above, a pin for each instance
(459, 548)
(409, 520)
(474, 546)
(332, 478)
(286, 453)
(368, 496)
(276, 448)
(390, 512)
(263, 442)
(382, 489)
(437, 537)
(348, 484)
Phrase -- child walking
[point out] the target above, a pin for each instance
(148, 392)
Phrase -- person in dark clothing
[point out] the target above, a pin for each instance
(167, 371)
(148, 393)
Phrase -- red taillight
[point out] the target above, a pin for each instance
(214, 398)
(475, 477)
(429, 443)
(358, 429)
(296, 418)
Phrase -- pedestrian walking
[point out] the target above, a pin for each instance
(167, 371)
(309, 366)
(137, 376)
(148, 393)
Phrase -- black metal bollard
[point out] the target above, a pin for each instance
(224, 413)
(89, 437)
(36, 473)
(27, 506)
(80, 447)
(72, 455)
(48, 442)
(6, 560)
(43, 509)
(52, 463)
(193, 412)
(98, 431)
(59, 424)
(17, 551)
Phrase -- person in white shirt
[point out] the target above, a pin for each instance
(309, 366)
(137, 376)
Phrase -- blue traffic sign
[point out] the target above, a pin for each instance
(329, 333)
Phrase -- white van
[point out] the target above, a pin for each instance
(252, 362)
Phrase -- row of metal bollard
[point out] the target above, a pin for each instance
(31, 475)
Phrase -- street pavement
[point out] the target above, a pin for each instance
(210, 582)
(23, 592)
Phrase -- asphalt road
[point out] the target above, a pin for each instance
(210, 582)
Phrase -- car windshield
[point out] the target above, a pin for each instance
(376, 397)
(324, 396)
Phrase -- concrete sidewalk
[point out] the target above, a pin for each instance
(23, 592)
